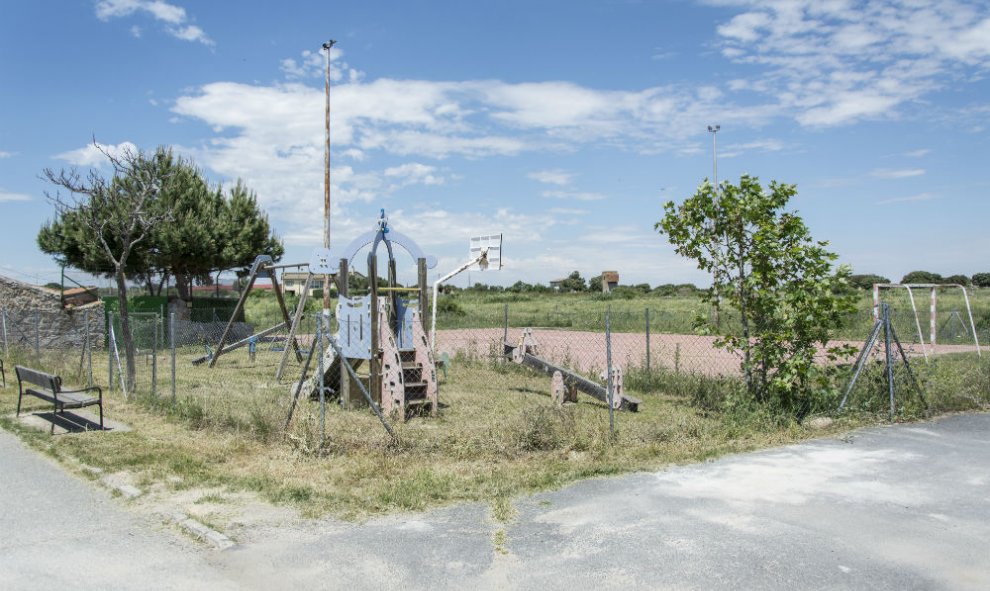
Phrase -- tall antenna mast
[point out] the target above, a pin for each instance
(326, 180)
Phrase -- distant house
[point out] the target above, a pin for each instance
(294, 282)
(556, 283)
(610, 280)
(79, 296)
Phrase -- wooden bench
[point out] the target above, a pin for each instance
(49, 387)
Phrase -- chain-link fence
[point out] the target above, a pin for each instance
(505, 355)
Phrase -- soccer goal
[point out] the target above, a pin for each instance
(933, 290)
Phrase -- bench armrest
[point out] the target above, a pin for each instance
(89, 389)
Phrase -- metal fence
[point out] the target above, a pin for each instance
(250, 384)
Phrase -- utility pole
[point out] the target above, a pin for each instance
(713, 129)
(326, 182)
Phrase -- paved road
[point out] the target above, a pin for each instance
(905, 507)
(59, 532)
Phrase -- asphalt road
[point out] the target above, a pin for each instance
(60, 532)
(903, 507)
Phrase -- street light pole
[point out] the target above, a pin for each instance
(326, 181)
(713, 129)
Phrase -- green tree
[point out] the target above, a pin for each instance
(765, 265)
(861, 281)
(595, 284)
(960, 279)
(574, 282)
(105, 223)
(922, 277)
(981, 279)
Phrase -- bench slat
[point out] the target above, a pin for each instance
(38, 378)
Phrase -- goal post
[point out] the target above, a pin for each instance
(933, 289)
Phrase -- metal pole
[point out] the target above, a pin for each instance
(171, 340)
(89, 354)
(6, 345)
(608, 362)
(109, 354)
(322, 369)
(972, 324)
(154, 359)
(890, 358)
(647, 340)
(713, 129)
(326, 179)
(505, 323)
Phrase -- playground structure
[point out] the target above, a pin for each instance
(381, 332)
(933, 309)
(263, 267)
(565, 384)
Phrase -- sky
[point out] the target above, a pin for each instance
(563, 124)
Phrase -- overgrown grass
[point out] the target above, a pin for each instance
(498, 434)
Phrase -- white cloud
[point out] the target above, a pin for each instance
(911, 199)
(552, 177)
(764, 145)
(887, 173)
(918, 153)
(573, 195)
(838, 62)
(175, 20)
(5, 154)
(8, 196)
(414, 173)
(91, 155)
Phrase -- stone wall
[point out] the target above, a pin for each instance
(33, 317)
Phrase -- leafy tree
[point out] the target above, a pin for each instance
(765, 265)
(595, 284)
(208, 232)
(866, 281)
(106, 221)
(981, 279)
(574, 282)
(922, 277)
(960, 279)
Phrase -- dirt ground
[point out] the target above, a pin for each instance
(586, 351)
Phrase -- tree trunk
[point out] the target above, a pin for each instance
(125, 329)
(183, 285)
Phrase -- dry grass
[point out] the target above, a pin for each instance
(498, 435)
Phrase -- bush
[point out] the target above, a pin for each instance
(981, 279)
(922, 277)
(866, 281)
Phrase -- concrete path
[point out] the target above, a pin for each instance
(904, 507)
(60, 532)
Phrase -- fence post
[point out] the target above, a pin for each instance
(647, 341)
(505, 326)
(6, 346)
(154, 359)
(323, 400)
(171, 340)
(109, 323)
(89, 354)
(608, 371)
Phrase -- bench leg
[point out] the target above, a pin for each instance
(54, 416)
(19, 396)
(101, 416)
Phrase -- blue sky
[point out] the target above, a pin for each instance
(563, 124)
